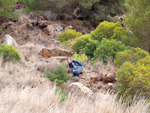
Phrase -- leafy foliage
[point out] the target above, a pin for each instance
(132, 55)
(59, 75)
(104, 30)
(109, 49)
(134, 79)
(68, 34)
(6, 7)
(137, 17)
(111, 30)
(59, 6)
(9, 53)
(92, 10)
(85, 44)
(62, 93)
(80, 57)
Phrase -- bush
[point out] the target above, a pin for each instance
(132, 55)
(84, 44)
(104, 30)
(80, 57)
(9, 53)
(62, 93)
(111, 30)
(59, 75)
(128, 38)
(137, 17)
(109, 49)
(134, 79)
(6, 7)
(68, 34)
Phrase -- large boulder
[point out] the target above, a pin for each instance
(80, 90)
(10, 41)
(47, 53)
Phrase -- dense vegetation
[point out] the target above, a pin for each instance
(134, 79)
(91, 10)
(109, 40)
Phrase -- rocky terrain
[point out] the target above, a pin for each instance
(36, 40)
(23, 86)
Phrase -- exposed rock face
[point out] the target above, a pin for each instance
(10, 41)
(109, 78)
(80, 89)
(47, 53)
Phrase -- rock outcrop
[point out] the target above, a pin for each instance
(10, 41)
(80, 89)
(47, 53)
(109, 77)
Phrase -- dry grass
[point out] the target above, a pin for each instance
(42, 99)
(24, 91)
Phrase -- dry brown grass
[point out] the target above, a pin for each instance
(24, 91)
(42, 99)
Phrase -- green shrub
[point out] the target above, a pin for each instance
(111, 30)
(109, 49)
(6, 7)
(104, 30)
(62, 94)
(9, 53)
(68, 34)
(80, 57)
(128, 38)
(134, 79)
(59, 75)
(84, 44)
(132, 55)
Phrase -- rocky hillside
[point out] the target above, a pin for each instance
(23, 87)
(40, 50)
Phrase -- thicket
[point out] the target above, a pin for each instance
(9, 53)
(85, 44)
(68, 34)
(6, 8)
(109, 49)
(132, 55)
(134, 79)
(59, 75)
(137, 20)
(111, 30)
(93, 11)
